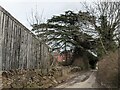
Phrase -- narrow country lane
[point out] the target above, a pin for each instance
(86, 80)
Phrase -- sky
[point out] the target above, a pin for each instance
(22, 9)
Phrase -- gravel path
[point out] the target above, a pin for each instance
(86, 80)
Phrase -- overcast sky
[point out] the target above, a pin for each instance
(21, 9)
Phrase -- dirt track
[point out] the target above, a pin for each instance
(86, 80)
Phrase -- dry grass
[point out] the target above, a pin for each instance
(108, 70)
(34, 79)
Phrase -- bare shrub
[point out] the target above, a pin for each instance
(108, 70)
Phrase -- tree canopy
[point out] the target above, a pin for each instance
(95, 29)
(106, 23)
(65, 30)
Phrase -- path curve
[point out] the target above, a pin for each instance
(79, 82)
